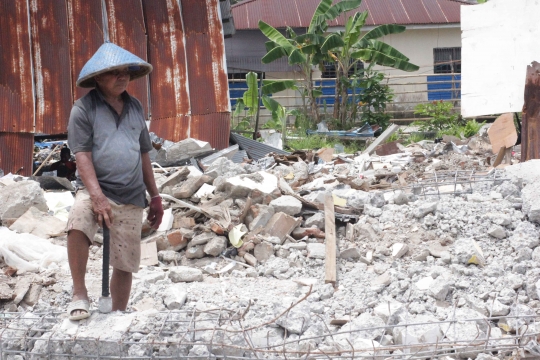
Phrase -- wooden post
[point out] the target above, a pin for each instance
(530, 132)
(330, 230)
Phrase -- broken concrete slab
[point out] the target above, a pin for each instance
(189, 187)
(263, 215)
(53, 183)
(215, 246)
(174, 179)
(287, 204)
(281, 225)
(185, 274)
(243, 185)
(39, 223)
(316, 220)
(17, 198)
(181, 151)
(175, 296)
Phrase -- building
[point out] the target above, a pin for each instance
(432, 41)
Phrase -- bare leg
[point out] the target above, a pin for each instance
(120, 289)
(77, 247)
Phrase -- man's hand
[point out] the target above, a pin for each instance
(102, 210)
(155, 213)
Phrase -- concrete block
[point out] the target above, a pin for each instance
(191, 186)
(287, 204)
(195, 252)
(350, 253)
(39, 223)
(242, 186)
(425, 208)
(17, 198)
(399, 250)
(185, 274)
(316, 250)
(250, 259)
(175, 297)
(263, 215)
(216, 246)
(263, 251)
(497, 232)
(316, 220)
(439, 288)
(281, 225)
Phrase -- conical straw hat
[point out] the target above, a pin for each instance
(110, 57)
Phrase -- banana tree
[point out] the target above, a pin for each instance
(248, 104)
(306, 50)
(352, 48)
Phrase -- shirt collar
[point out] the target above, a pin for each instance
(125, 96)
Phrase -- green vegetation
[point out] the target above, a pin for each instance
(374, 97)
(304, 142)
(441, 116)
(345, 48)
(470, 128)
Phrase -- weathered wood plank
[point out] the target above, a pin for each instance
(530, 132)
(330, 229)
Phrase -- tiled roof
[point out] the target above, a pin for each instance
(298, 13)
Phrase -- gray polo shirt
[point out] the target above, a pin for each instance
(116, 142)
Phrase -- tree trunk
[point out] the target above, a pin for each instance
(337, 92)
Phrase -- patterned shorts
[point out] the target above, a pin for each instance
(125, 232)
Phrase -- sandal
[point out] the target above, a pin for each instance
(83, 305)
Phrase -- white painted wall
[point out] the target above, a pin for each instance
(500, 38)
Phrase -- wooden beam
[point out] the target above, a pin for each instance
(530, 132)
(500, 157)
(330, 230)
(382, 138)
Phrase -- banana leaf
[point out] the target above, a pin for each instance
(332, 41)
(251, 96)
(274, 86)
(383, 30)
(379, 58)
(274, 54)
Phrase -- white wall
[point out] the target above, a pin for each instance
(500, 38)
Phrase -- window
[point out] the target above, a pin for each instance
(330, 69)
(447, 60)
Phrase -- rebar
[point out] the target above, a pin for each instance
(226, 335)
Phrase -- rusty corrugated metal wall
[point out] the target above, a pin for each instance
(50, 41)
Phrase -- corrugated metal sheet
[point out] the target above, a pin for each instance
(206, 58)
(298, 13)
(66, 33)
(49, 23)
(255, 149)
(166, 52)
(16, 93)
(127, 29)
(85, 35)
(16, 151)
(213, 128)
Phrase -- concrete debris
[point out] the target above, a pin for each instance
(411, 254)
(17, 198)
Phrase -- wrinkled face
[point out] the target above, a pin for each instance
(113, 82)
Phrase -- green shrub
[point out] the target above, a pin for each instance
(441, 116)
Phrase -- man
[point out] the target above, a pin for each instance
(65, 167)
(108, 134)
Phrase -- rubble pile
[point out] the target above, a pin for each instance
(418, 242)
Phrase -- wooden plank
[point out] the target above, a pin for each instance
(382, 138)
(530, 125)
(503, 132)
(149, 255)
(330, 229)
(500, 157)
